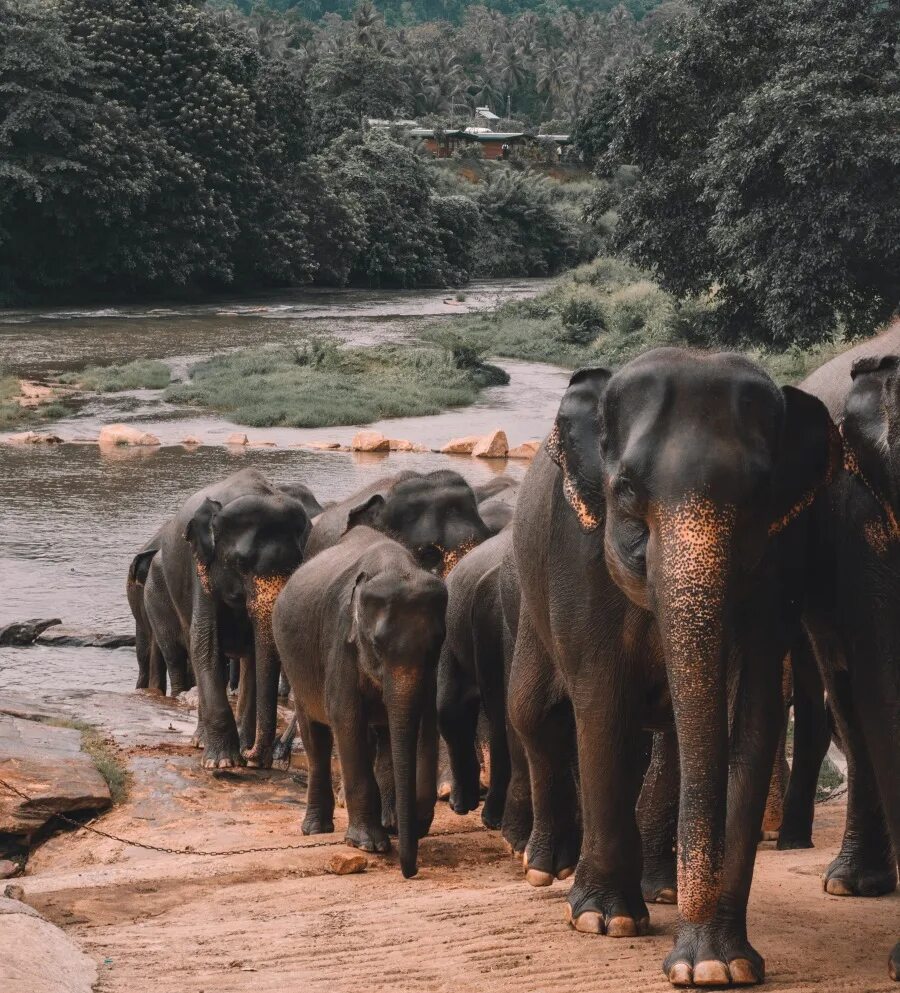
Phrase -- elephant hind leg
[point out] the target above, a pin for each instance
(157, 669)
(657, 812)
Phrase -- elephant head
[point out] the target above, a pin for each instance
(690, 466)
(871, 428)
(397, 623)
(244, 552)
(435, 516)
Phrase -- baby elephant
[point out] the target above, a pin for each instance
(359, 629)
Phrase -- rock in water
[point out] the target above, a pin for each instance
(492, 446)
(527, 450)
(344, 864)
(125, 434)
(370, 441)
(26, 632)
(461, 446)
(47, 764)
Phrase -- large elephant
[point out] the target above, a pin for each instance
(471, 677)
(223, 559)
(359, 629)
(661, 542)
(854, 622)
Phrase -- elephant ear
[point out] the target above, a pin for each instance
(810, 456)
(366, 514)
(140, 566)
(872, 420)
(199, 531)
(353, 607)
(574, 445)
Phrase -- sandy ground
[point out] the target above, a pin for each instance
(159, 923)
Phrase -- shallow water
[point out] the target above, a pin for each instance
(72, 517)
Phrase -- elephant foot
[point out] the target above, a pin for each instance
(713, 955)
(659, 882)
(606, 909)
(224, 754)
(550, 857)
(260, 757)
(847, 876)
(517, 822)
(894, 963)
(368, 838)
(389, 818)
(789, 842)
(317, 823)
(492, 812)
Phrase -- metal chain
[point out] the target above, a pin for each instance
(228, 852)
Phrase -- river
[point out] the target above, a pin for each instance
(72, 516)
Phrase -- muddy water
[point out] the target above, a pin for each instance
(71, 517)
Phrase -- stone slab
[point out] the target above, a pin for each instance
(47, 764)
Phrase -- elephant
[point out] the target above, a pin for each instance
(434, 515)
(151, 671)
(661, 542)
(223, 559)
(853, 621)
(471, 677)
(359, 629)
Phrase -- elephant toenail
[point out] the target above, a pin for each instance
(711, 973)
(667, 895)
(621, 927)
(565, 873)
(837, 887)
(590, 922)
(742, 972)
(537, 877)
(681, 974)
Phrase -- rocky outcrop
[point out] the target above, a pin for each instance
(190, 441)
(47, 764)
(237, 439)
(112, 435)
(66, 637)
(527, 450)
(26, 632)
(492, 446)
(37, 956)
(33, 438)
(370, 441)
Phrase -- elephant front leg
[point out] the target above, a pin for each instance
(489, 670)
(246, 702)
(718, 952)
(317, 742)
(263, 594)
(384, 775)
(426, 766)
(458, 716)
(363, 798)
(221, 747)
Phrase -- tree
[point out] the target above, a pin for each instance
(767, 138)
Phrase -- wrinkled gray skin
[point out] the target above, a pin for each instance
(471, 677)
(160, 642)
(434, 515)
(497, 502)
(854, 617)
(222, 559)
(359, 629)
(660, 540)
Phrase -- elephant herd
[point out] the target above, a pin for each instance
(615, 629)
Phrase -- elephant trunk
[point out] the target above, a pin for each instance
(693, 543)
(404, 693)
(264, 593)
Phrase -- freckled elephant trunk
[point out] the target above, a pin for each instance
(268, 667)
(694, 540)
(404, 697)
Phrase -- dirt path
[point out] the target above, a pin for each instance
(175, 924)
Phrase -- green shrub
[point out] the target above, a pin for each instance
(583, 316)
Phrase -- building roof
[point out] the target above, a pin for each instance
(486, 113)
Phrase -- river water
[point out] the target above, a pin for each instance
(72, 516)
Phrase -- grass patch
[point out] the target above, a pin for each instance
(316, 383)
(605, 313)
(141, 374)
(14, 415)
(107, 760)
(830, 779)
